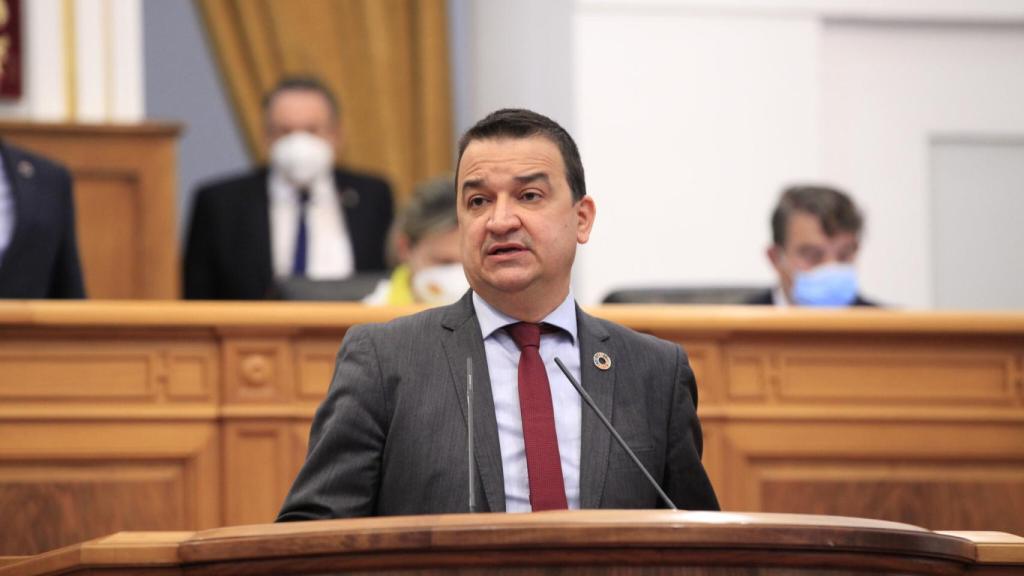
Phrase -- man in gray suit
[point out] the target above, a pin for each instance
(391, 438)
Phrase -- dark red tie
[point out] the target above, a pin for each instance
(547, 488)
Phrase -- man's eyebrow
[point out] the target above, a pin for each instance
(472, 184)
(535, 177)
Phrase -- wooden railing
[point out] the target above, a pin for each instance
(191, 415)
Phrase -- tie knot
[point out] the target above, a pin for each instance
(303, 196)
(525, 334)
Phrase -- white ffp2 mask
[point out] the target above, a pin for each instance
(439, 285)
(301, 158)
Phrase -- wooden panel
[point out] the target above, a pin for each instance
(71, 481)
(975, 496)
(749, 376)
(315, 358)
(256, 497)
(74, 501)
(935, 474)
(881, 372)
(192, 372)
(912, 416)
(869, 375)
(59, 369)
(706, 361)
(41, 373)
(126, 201)
(714, 455)
(258, 370)
(109, 223)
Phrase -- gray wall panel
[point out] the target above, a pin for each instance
(183, 84)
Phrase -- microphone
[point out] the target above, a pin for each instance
(615, 434)
(469, 435)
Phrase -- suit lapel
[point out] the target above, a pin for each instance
(460, 338)
(600, 384)
(20, 178)
(348, 202)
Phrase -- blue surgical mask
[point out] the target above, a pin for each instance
(832, 285)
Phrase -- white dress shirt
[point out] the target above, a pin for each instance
(329, 252)
(6, 211)
(779, 298)
(503, 369)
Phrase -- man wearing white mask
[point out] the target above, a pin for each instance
(300, 217)
(816, 233)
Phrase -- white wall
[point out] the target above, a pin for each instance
(890, 91)
(978, 184)
(106, 67)
(520, 56)
(691, 115)
(687, 124)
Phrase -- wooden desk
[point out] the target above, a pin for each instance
(580, 542)
(190, 415)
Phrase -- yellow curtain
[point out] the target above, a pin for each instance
(386, 60)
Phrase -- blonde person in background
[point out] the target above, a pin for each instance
(425, 241)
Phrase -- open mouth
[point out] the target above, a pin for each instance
(503, 249)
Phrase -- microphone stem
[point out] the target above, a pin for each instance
(470, 461)
(615, 434)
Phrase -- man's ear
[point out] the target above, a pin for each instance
(585, 213)
(336, 138)
(774, 253)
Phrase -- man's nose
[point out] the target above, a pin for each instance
(503, 218)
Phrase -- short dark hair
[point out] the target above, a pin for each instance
(302, 84)
(519, 123)
(831, 206)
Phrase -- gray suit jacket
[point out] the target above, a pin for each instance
(390, 438)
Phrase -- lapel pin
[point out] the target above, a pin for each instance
(26, 169)
(349, 198)
(602, 361)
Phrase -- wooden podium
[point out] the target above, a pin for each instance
(578, 542)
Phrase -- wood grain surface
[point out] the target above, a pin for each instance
(191, 415)
(577, 542)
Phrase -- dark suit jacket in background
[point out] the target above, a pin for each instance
(42, 259)
(766, 298)
(228, 255)
(390, 438)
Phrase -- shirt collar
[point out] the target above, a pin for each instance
(491, 319)
(779, 297)
(282, 191)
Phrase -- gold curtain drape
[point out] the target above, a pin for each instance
(386, 60)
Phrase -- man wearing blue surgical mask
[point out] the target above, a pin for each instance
(299, 216)
(816, 232)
